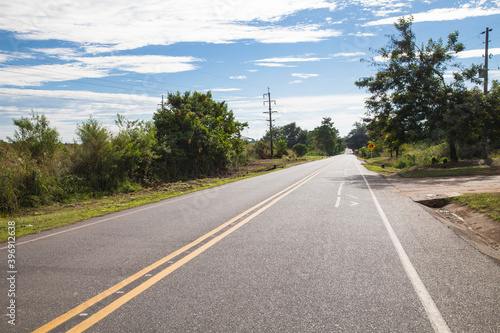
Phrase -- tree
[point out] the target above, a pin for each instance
(35, 137)
(95, 160)
(410, 97)
(325, 137)
(281, 149)
(300, 149)
(291, 133)
(135, 146)
(197, 136)
(485, 123)
(358, 136)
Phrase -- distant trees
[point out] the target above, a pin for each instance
(413, 98)
(358, 136)
(323, 139)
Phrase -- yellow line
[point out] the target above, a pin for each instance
(153, 280)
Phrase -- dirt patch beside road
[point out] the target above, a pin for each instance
(475, 227)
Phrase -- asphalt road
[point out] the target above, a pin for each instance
(321, 247)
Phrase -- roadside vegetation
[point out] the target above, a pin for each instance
(428, 116)
(191, 143)
(36, 219)
(486, 203)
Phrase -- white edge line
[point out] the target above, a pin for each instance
(433, 313)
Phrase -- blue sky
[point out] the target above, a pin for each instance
(71, 59)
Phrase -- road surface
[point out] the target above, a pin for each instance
(321, 247)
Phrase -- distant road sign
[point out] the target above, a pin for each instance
(371, 146)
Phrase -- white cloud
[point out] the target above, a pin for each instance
(348, 54)
(281, 61)
(289, 59)
(37, 75)
(103, 26)
(146, 64)
(363, 34)
(444, 14)
(238, 77)
(91, 67)
(272, 64)
(477, 53)
(304, 76)
(67, 108)
(62, 53)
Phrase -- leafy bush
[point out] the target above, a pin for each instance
(281, 148)
(135, 146)
(262, 150)
(31, 166)
(95, 160)
(300, 149)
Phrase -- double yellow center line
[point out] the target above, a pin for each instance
(93, 319)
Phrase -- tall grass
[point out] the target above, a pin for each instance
(422, 154)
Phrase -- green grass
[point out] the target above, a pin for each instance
(487, 203)
(436, 170)
(375, 164)
(477, 170)
(32, 221)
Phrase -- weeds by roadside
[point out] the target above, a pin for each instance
(35, 220)
(486, 203)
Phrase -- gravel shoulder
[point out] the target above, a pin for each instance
(476, 228)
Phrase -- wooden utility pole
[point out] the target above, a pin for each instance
(484, 75)
(270, 116)
(486, 57)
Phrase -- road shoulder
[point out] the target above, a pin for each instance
(476, 228)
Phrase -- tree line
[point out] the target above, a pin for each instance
(191, 135)
(421, 93)
(323, 140)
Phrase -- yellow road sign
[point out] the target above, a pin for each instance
(371, 146)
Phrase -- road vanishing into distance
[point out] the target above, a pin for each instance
(325, 246)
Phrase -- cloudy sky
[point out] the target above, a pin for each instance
(72, 59)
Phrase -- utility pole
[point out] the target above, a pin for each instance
(486, 57)
(484, 75)
(162, 103)
(270, 116)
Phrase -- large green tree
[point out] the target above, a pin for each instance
(358, 136)
(291, 133)
(411, 97)
(325, 137)
(196, 135)
(35, 137)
